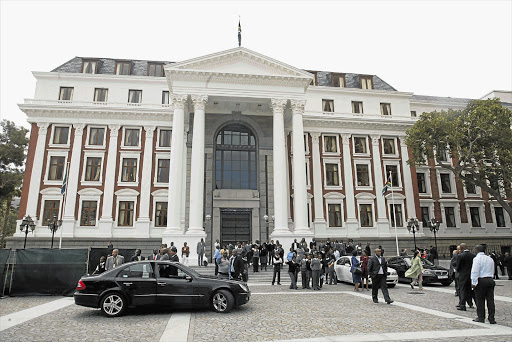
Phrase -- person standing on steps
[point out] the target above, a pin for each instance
(277, 261)
(377, 269)
(201, 248)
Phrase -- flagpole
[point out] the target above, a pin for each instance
(64, 203)
(394, 213)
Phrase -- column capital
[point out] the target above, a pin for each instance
(178, 100)
(345, 138)
(278, 105)
(43, 127)
(375, 139)
(402, 140)
(298, 106)
(150, 130)
(315, 136)
(79, 129)
(114, 130)
(199, 101)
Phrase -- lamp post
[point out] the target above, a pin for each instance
(433, 225)
(267, 222)
(413, 226)
(25, 224)
(54, 225)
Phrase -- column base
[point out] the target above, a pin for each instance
(142, 227)
(320, 228)
(383, 227)
(68, 227)
(105, 227)
(195, 231)
(353, 228)
(179, 238)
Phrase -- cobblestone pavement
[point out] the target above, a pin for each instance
(273, 313)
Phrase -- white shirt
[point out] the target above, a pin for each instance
(380, 262)
(483, 267)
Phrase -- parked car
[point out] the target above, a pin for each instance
(431, 273)
(161, 283)
(342, 269)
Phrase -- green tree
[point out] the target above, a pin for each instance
(479, 140)
(13, 146)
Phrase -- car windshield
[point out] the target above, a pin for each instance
(408, 261)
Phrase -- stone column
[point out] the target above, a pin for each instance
(68, 220)
(300, 202)
(143, 221)
(37, 170)
(195, 219)
(352, 224)
(382, 221)
(408, 189)
(280, 184)
(319, 221)
(105, 224)
(176, 165)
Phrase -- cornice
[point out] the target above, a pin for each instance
(370, 92)
(95, 77)
(356, 123)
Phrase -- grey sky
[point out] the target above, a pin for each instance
(444, 48)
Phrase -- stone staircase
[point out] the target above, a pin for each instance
(261, 277)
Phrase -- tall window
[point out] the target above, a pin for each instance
(385, 109)
(422, 185)
(155, 69)
(165, 97)
(475, 216)
(89, 66)
(366, 82)
(161, 214)
(125, 218)
(88, 216)
(366, 215)
(500, 217)
(449, 213)
(425, 216)
(96, 136)
(334, 215)
(123, 68)
(470, 188)
(60, 135)
(93, 169)
(330, 145)
(163, 170)
(235, 158)
(56, 171)
(393, 169)
(357, 107)
(332, 177)
(363, 175)
(338, 80)
(328, 105)
(66, 93)
(396, 215)
(360, 145)
(100, 94)
(446, 186)
(389, 146)
(164, 140)
(129, 173)
(131, 137)
(51, 210)
(134, 96)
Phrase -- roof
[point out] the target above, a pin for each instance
(440, 99)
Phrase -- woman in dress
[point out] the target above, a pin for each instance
(364, 267)
(415, 271)
(356, 278)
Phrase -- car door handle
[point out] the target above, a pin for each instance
(162, 284)
(127, 284)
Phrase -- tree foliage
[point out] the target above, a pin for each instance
(479, 140)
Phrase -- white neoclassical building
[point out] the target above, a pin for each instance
(235, 146)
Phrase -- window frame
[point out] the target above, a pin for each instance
(358, 105)
(324, 102)
(155, 64)
(394, 139)
(427, 203)
(94, 99)
(87, 140)
(366, 79)
(367, 146)
(126, 195)
(165, 215)
(453, 187)
(160, 195)
(336, 161)
(384, 106)
(337, 139)
(91, 195)
(128, 155)
(158, 147)
(393, 212)
(52, 136)
(372, 206)
(62, 100)
(385, 163)
(508, 223)
(165, 97)
(340, 77)
(428, 186)
(90, 154)
(456, 209)
(157, 167)
(368, 163)
(123, 140)
(55, 153)
(94, 71)
(124, 63)
(129, 96)
(49, 194)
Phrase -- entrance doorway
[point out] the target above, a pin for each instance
(235, 226)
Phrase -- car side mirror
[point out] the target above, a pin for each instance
(188, 278)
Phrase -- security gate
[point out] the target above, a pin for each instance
(235, 226)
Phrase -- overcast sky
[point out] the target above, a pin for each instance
(444, 48)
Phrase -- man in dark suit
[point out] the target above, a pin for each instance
(378, 270)
(464, 264)
(155, 255)
(173, 254)
(164, 253)
(237, 265)
(137, 256)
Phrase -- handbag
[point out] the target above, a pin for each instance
(357, 271)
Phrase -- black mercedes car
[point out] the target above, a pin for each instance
(431, 273)
(161, 283)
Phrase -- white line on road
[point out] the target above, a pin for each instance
(177, 328)
(22, 316)
(451, 291)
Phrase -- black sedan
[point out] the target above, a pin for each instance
(161, 283)
(431, 273)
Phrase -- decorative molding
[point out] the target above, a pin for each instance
(51, 191)
(278, 105)
(298, 106)
(126, 192)
(199, 101)
(90, 192)
(150, 131)
(395, 196)
(315, 136)
(334, 195)
(178, 100)
(79, 129)
(345, 137)
(114, 130)
(365, 195)
(43, 127)
(375, 139)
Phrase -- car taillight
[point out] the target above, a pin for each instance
(80, 286)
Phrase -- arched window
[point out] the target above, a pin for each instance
(235, 158)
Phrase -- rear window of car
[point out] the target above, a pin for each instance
(141, 270)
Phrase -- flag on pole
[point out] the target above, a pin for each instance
(239, 33)
(64, 181)
(386, 186)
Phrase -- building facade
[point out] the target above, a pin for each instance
(235, 146)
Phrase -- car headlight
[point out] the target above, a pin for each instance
(244, 287)
(428, 272)
(393, 272)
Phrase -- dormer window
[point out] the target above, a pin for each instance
(66, 94)
(338, 80)
(366, 82)
(314, 81)
(123, 68)
(89, 66)
(155, 69)
(328, 105)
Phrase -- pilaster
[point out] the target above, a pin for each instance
(37, 171)
(318, 199)
(143, 221)
(382, 221)
(352, 224)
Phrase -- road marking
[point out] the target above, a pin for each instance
(23, 316)
(177, 328)
(451, 291)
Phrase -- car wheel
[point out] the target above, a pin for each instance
(113, 305)
(222, 301)
(446, 283)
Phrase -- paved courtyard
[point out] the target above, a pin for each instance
(274, 313)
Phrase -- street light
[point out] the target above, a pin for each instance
(413, 226)
(54, 225)
(25, 224)
(267, 221)
(433, 225)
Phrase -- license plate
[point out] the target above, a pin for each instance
(442, 277)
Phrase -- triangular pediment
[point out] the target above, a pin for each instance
(240, 61)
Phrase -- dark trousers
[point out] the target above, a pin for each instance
(293, 280)
(332, 276)
(277, 270)
(304, 278)
(457, 291)
(216, 267)
(484, 291)
(200, 259)
(465, 293)
(316, 279)
(308, 278)
(380, 281)
(255, 265)
(509, 273)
